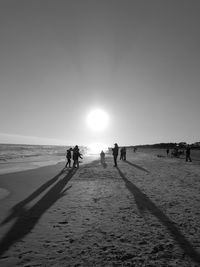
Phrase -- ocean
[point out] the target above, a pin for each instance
(15, 157)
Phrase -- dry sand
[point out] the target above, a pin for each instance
(146, 212)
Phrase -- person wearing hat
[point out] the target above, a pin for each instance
(115, 153)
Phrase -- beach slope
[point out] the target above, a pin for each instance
(145, 212)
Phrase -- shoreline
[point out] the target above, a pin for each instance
(16, 169)
(144, 211)
(18, 166)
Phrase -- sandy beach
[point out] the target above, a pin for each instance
(145, 212)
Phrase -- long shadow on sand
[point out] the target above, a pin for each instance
(146, 204)
(104, 164)
(27, 218)
(19, 206)
(136, 166)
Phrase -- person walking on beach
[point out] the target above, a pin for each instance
(188, 154)
(124, 153)
(68, 156)
(121, 153)
(76, 156)
(115, 153)
(167, 151)
(102, 156)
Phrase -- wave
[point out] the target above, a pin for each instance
(10, 152)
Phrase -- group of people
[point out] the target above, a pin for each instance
(115, 152)
(73, 153)
(187, 153)
(123, 153)
(176, 153)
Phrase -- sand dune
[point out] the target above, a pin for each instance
(146, 212)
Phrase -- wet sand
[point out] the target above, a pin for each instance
(146, 212)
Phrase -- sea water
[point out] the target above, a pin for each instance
(15, 157)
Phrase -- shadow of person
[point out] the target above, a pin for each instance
(102, 158)
(144, 203)
(28, 218)
(104, 164)
(16, 209)
(136, 166)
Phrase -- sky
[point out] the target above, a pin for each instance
(136, 60)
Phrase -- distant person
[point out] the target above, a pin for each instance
(115, 153)
(167, 151)
(76, 156)
(187, 154)
(68, 156)
(124, 153)
(102, 156)
(121, 153)
(175, 152)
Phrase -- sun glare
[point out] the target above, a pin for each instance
(96, 148)
(97, 120)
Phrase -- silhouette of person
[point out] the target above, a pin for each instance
(68, 156)
(115, 153)
(124, 153)
(167, 151)
(102, 156)
(188, 154)
(76, 156)
(121, 153)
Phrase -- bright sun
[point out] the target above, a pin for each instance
(97, 120)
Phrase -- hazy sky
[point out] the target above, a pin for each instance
(137, 60)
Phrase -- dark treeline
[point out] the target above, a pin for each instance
(181, 145)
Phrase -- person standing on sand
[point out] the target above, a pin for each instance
(68, 156)
(124, 153)
(121, 153)
(102, 156)
(167, 151)
(76, 156)
(115, 153)
(188, 154)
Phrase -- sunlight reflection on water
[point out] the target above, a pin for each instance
(96, 148)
